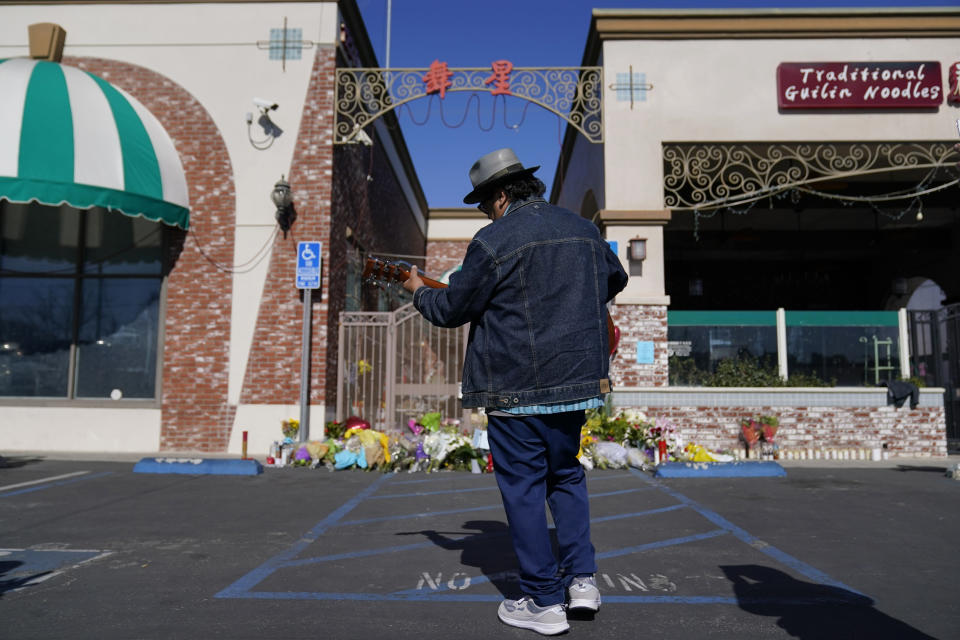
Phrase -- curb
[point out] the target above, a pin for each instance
(199, 466)
(719, 470)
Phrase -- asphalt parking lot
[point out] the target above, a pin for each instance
(89, 549)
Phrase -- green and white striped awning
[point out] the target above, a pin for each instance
(69, 137)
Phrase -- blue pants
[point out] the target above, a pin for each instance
(535, 460)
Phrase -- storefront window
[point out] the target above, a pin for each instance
(700, 341)
(79, 303)
(823, 348)
(846, 348)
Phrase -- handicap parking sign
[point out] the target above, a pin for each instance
(308, 265)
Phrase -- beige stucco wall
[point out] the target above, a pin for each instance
(212, 51)
(726, 90)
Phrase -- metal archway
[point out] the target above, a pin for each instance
(365, 94)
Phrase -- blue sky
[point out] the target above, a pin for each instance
(529, 33)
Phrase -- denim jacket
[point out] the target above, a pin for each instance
(533, 286)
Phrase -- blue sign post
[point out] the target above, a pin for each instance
(308, 278)
(308, 265)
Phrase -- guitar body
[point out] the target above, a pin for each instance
(376, 270)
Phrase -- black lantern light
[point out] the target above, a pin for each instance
(283, 199)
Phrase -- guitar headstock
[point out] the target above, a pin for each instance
(380, 272)
(377, 271)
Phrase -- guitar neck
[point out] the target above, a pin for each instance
(377, 271)
(430, 282)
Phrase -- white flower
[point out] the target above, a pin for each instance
(634, 415)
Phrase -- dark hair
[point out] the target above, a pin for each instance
(523, 188)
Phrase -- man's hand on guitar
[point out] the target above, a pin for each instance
(414, 282)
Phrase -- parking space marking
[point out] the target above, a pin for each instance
(242, 587)
(22, 568)
(418, 494)
(620, 492)
(58, 483)
(41, 480)
(755, 543)
(424, 514)
(636, 514)
(443, 592)
(660, 544)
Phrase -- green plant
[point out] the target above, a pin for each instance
(683, 372)
(746, 371)
(335, 430)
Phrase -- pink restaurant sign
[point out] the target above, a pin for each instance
(859, 85)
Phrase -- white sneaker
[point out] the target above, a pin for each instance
(584, 594)
(525, 613)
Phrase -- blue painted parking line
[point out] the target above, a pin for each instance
(617, 493)
(659, 544)
(445, 592)
(423, 514)
(636, 514)
(350, 555)
(58, 483)
(800, 567)
(25, 567)
(243, 586)
(742, 601)
(419, 494)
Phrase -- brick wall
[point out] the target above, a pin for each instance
(196, 352)
(905, 432)
(369, 201)
(273, 369)
(638, 323)
(445, 254)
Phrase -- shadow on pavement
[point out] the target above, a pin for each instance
(813, 611)
(489, 549)
(909, 467)
(7, 462)
(12, 584)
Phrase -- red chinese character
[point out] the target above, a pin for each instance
(438, 78)
(954, 81)
(501, 75)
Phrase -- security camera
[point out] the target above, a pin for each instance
(265, 105)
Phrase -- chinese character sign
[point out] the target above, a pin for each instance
(500, 77)
(437, 78)
(953, 97)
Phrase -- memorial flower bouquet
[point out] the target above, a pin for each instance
(290, 428)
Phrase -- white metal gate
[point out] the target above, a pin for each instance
(394, 365)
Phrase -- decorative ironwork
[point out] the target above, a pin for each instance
(705, 176)
(573, 93)
(394, 365)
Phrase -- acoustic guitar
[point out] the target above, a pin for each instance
(378, 271)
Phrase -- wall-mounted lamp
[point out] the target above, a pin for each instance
(282, 198)
(637, 253)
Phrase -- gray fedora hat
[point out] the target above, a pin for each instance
(493, 168)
